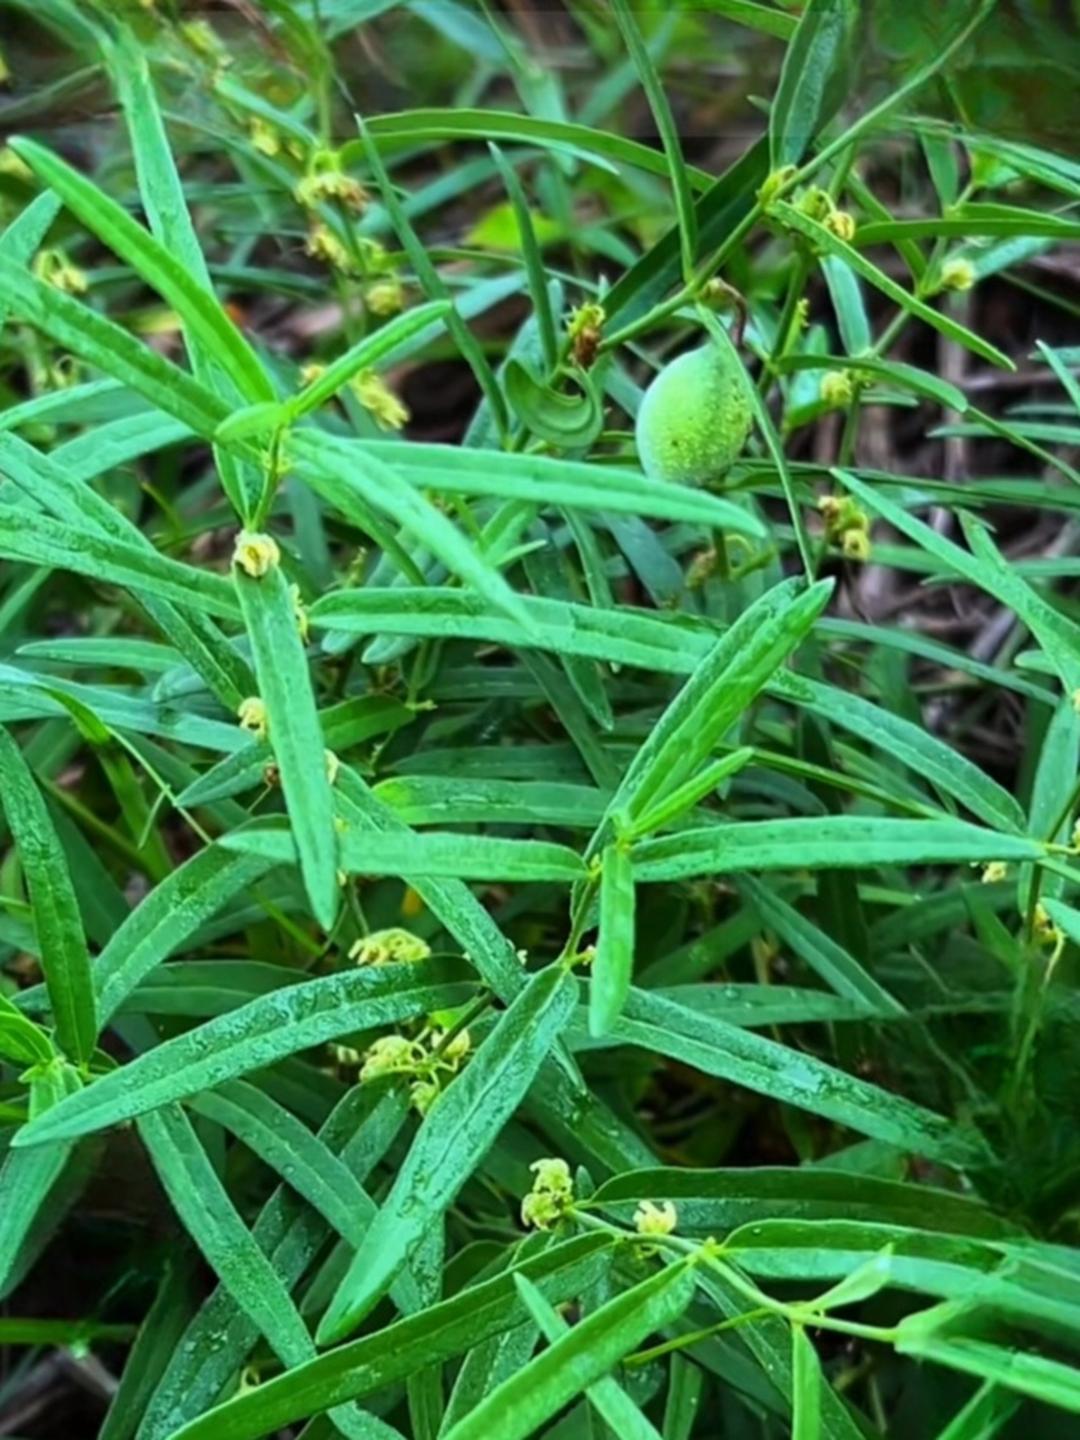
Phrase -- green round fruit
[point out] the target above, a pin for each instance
(695, 418)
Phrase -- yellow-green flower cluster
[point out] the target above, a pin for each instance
(837, 389)
(429, 1058)
(383, 947)
(256, 554)
(846, 525)
(652, 1219)
(384, 407)
(252, 716)
(320, 186)
(54, 267)
(551, 1196)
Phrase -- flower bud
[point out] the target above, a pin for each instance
(256, 554)
(837, 389)
(388, 412)
(957, 274)
(252, 716)
(841, 223)
(650, 1219)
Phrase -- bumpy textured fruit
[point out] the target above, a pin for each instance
(695, 418)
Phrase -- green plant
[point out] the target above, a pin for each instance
(567, 950)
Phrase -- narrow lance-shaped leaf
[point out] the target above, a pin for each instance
(105, 559)
(1058, 635)
(534, 260)
(286, 1144)
(455, 1135)
(334, 469)
(606, 1395)
(712, 1046)
(431, 853)
(170, 914)
(33, 1190)
(826, 241)
(26, 232)
(806, 1383)
(157, 265)
(57, 484)
(828, 842)
(208, 1215)
(668, 131)
(292, 720)
(599, 147)
(812, 81)
(216, 1343)
(451, 901)
(588, 1351)
(720, 689)
(546, 481)
(1051, 1381)
(396, 1351)
(431, 280)
(210, 1218)
(65, 958)
(255, 1035)
(159, 1334)
(162, 193)
(613, 967)
(366, 352)
(111, 348)
(822, 953)
(20, 1039)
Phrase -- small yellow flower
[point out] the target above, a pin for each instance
(459, 1047)
(303, 624)
(382, 947)
(388, 412)
(423, 1094)
(256, 554)
(846, 525)
(995, 872)
(54, 267)
(265, 137)
(837, 389)
(957, 274)
(774, 183)
(311, 372)
(551, 1195)
(1044, 930)
(249, 1380)
(252, 716)
(816, 203)
(650, 1219)
(390, 1055)
(385, 297)
(322, 185)
(855, 544)
(323, 244)
(841, 223)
